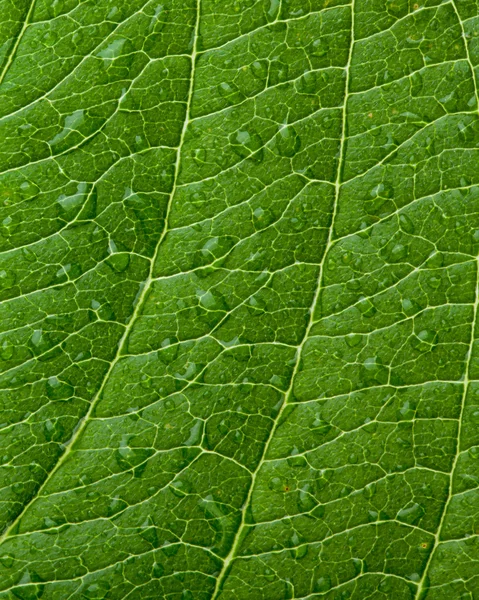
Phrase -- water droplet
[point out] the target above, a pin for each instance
(53, 430)
(199, 156)
(323, 584)
(276, 484)
(396, 253)
(369, 490)
(170, 549)
(259, 69)
(119, 261)
(49, 39)
(6, 350)
(406, 224)
(299, 553)
(306, 502)
(7, 279)
(7, 560)
(180, 488)
(366, 307)
(28, 190)
(287, 142)
(77, 38)
(434, 282)
(58, 390)
(424, 340)
(407, 411)
(149, 532)
(474, 452)
(278, 73)
(296, 461)
(320, 48)
(353, 339)
(308, 83)
(158, 570)
(410, 307)
(230, 92)
(96, 591)
(245, 143)
(411, 514)
(198, 199)
(195, 435)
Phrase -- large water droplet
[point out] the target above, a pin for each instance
(411, 514)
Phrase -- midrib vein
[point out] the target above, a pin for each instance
(437, 537)
(467, 381)
(80, 428)
(337, 184)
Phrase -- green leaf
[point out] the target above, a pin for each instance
(238, 299)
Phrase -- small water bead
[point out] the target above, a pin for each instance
(58, 390)
(180, 488)
(199, 156)
(29, 190)
(320, 47)
(366, 307)
(287, 142)
(322, 584)
(406, 224)
(308, 83)
(278, 73)
(474, 452)
(7, 279)
(119, 262)
(230, 92)
(6, 350)
(7, 560)
(396, 253)
(300, 552)
(259, 69)
(96, 591)
(370, 490)
(424, 340)
(18, 488)
(353, 339)
(49, 39)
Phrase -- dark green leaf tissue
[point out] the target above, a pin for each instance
(239, 334)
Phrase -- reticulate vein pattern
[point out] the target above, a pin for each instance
(238, 300)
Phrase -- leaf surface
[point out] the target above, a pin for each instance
(238, 299)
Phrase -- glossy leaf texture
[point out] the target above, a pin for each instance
(238, 299)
